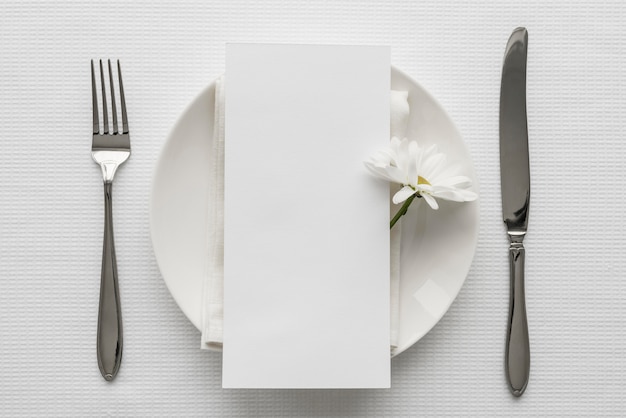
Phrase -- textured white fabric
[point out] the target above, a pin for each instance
(399, 119)
(51, 205)
(213, 284)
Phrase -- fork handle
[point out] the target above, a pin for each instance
(517, 342)
(109, 345)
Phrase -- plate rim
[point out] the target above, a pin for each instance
(476, 203)
(211, 86)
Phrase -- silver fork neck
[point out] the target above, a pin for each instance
(109, 161)
(108, 171)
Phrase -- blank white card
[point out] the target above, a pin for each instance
(306, 228)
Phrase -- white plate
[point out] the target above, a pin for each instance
(437, 246)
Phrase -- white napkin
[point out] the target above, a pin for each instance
(399, 119)
(213, 285)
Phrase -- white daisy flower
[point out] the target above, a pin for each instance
(422, 172)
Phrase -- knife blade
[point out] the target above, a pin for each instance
(515, 190)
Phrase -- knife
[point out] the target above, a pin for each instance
(515, 189)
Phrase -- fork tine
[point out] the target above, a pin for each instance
(94, 104)
(122, 100)
(113, 110)
(105, 114)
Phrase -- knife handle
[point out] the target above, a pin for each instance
(517, 342)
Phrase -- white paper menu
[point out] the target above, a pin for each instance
(306, 228)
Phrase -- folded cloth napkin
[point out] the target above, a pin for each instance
(213, 284)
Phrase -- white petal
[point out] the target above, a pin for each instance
(403, 156)
(432, 164)
(386, 155)
(430, 151)
(377, 171)
(455, 195)
(395, 142)
(449, 170)
(403, 194)
(397, 175)
(456, 181)
(448, 194)
(412, 164)
(468, 195)
(431, 201)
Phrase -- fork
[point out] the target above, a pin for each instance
(109, 150)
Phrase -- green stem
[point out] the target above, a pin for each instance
(402, 210)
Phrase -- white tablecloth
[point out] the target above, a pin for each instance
(51, 205)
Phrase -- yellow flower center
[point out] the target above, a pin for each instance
(422, 180)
